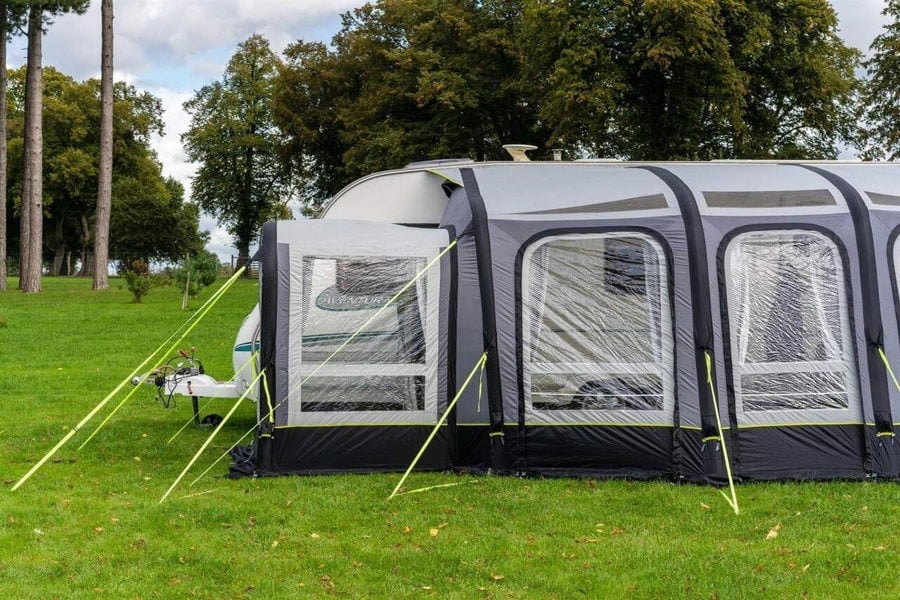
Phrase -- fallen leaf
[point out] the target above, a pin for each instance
(407, 530)
(881, 548)
(137, 459)
(773, 533)
(442, 525)
(98, 529)
(314, 536)
(36, 531)
(426, 587)
(274, 543)
(497, 576)
(616, 531)
(805, 568)
(759, 567)
(705, 506)
(434, 531)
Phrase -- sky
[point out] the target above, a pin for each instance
(172, 48)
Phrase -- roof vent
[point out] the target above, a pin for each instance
(517, 151)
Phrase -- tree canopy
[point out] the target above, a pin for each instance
(71, 140)
(242, 179)
(632, 79)
(881, 100)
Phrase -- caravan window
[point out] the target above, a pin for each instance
(597, 328)
(789, 322)
(382, 367)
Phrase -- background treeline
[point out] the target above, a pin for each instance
(149, 218)
(630, 79)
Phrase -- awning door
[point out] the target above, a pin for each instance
(361, 335)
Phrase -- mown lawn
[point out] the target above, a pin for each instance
(89, 523)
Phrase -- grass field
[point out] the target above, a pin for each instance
(89, 523)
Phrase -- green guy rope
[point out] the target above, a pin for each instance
(887, 366)
(199, 315)
(265, 384)
(117, 389)
(211, 437)
(733, 501)
(437, 426)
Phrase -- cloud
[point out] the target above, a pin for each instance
(153, 34)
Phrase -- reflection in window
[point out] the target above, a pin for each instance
(789, 323)
(597, 330)
(381, 368)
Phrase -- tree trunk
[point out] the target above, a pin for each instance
(104, 182)
(59, 249)
(59, 256)
(32, 177)
(3, 236)
(87, 255)
(243, 248)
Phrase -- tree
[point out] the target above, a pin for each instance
(406, 81)
(104, 182)
(31, 238)
(150, 220)
(633, 79)
(31, 242)
(142, 198)
(694, 79)
(881, 99)
(241, 179)
(11, 15)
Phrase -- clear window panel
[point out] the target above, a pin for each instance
(597, 324)
(379, 393)
(371, 371)
(789, 321)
